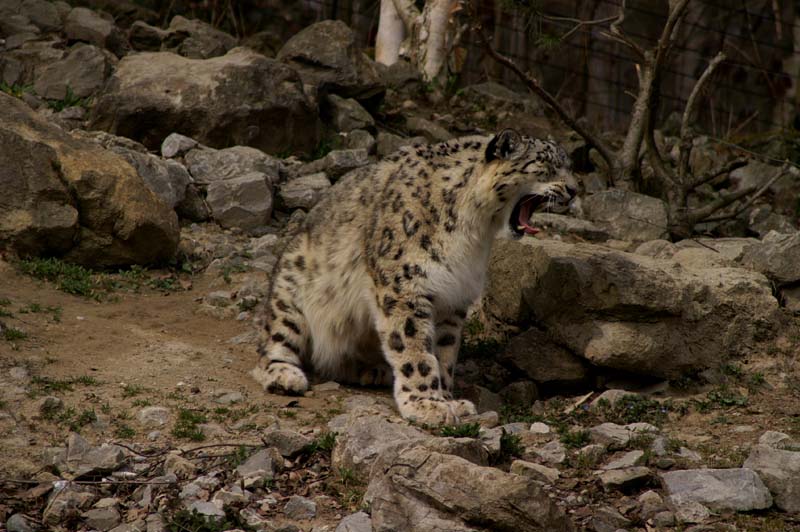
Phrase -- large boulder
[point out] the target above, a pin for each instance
(327, 56)
(631, 312)
(780, 471)
(422, 489)
(239, 98)
(83, 72)
(196, 39)
(23, 65)
(627, 215)
(777, 257)
(68, 196)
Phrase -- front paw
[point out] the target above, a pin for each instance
(435, 412)
(282, 378)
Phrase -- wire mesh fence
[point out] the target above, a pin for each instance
(754, 91)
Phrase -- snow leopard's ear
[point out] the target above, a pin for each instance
(505, 145)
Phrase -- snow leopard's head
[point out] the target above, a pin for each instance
(526, 175)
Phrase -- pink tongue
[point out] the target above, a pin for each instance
(525, 216)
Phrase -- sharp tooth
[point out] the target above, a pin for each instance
(521, 227)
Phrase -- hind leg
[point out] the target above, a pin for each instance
(282, 346)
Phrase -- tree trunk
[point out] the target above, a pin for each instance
(391, 33)
(433, 40)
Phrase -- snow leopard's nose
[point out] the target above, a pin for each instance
(571, 189)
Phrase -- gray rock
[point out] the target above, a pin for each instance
(691, 512)
(82, 459)
(177, 145)
(425, 490)
(209, 510)
(651, 503)
(739, 490)
(658, 249)
(154, 416)
(520, 393)
(241, 98)
(534, 471)
(233, 496)
(357, 522)
(780, 471)
(611, 435)
(193, 207)
(552, 452)
(261, 466)
(146, 38)
(43, 14)
(304, 192)
(777, 257)
(168, 179)
(227, 397)
(336, 163)
(484, 399)
(299, 508)
(627, 479)
(777, 440)
(85, 25)
(327, 56)
(66, 504)
(196, 39)
(389, 143)
(729, 248)
(180, 467)
(244, 202)
(629, 459)
(608, 519)
(540, 428)
(288, 442)
(219, 298)
(627, 215)
(52, 181)
(210, 166)
(762, 219)
(612, 397)
(102, 518)
(83, 72)
(363, 434)
(20, 523)
(48, 405)
(430, 130)
(140, 525)
(358, 139)
(541, 359)
(607, 313)
(347, 114)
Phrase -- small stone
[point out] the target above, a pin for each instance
(535, 471)
(651, 503)
(176, 145)
(102, 518)
(153, 416)
(430, 130)
(664, 519)
(260, 466)
(179, 466)
(357, 522)
(625, 479)
(49, 404)
(522, 393)
(227, 397)
(299, 508)
(592, 453)
(690, 512)
(107, 502)
(360, 139)
(608, 519)
(540, 428)
(19, 374)
(775, 439)
(347, 114)
(234, 495)
(20, 523)
(208, 509)
(288, 443)
(305, 191)
(553, 452)
(611, 435)
(219, 298)
(629, 459)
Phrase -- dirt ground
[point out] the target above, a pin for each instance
(150, 347)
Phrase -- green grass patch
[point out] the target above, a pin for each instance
(465, 430)
(324, 443)
(10, 334)
(131, 390)
(633, 409)
(69, 100)
(124, 432)
(69, 278)
(47, 385)
(186, 426)
(721, 397)
(15, 89)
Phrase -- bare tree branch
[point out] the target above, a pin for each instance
(778, 174)
(615, 33)
(698, 215)
(713, 174)
(688, 113)
(603, 149)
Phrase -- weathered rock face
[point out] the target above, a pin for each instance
(534, 353)
(240, 98)
(70, 197)
(780, 471)
(83, 72)
(627, 215)
(327, 57)
(425, 490)
(85, 25)
(719, 489)
(777, 257)
(196, 39)
(630, 312)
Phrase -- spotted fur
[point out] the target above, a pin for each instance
(377, 282)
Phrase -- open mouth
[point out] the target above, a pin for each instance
(521, 215)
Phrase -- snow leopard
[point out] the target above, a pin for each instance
(375, 284)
